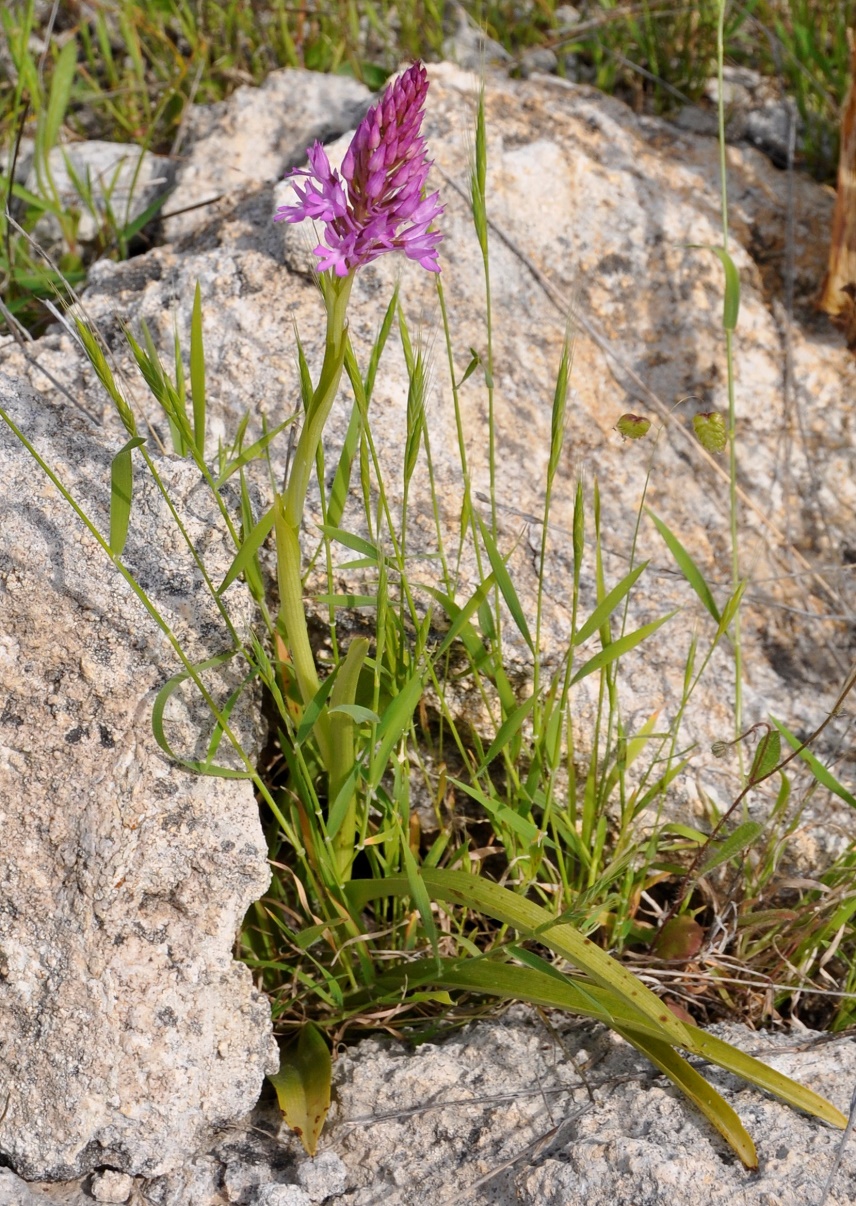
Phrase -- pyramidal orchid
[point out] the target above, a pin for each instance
(376, 205)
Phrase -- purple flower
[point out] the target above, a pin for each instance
(376, 204)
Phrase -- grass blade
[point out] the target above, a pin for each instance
(197, 372)
(249, 454)
(738, 841)
(60, 94)
(247, 551)
(504, 816)
(686, 565)
(121, 492)
(608, 605)
(618, 648)
(824, 777)
(507, 730)
(162, 699)
(506, 586)
(396, 718)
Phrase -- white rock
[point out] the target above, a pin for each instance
(111, 1186)
(254, 138)
(283, 1195)
(323, 1177)
(124, 878)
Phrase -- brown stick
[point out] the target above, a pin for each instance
(838, 295)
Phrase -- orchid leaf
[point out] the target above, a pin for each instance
(303, 1084)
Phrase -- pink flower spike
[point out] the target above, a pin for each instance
(376, 204)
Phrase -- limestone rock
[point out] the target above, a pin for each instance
(502, 1114)
(509, 1112)
(128, 1030)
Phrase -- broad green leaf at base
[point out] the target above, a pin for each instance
(303, 1085)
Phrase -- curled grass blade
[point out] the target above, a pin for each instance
(731, 302)
(699, 1091)
(162, 699)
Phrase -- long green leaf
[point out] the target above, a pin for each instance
(503, 581)
(121, 493)
(358, 543)
(500, 979)
(473, 892)
(686, 565)
(618, 648)
(608, 605)
(757, 1073)
(824, 777)
(699, 1091)
(553, 991)
(767, 756)
(132, 228)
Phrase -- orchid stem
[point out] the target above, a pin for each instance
(289, 516)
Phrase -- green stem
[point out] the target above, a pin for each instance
(732, 405)
(334, 734)
(336, 294)
(290, 505)
(292, 618)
